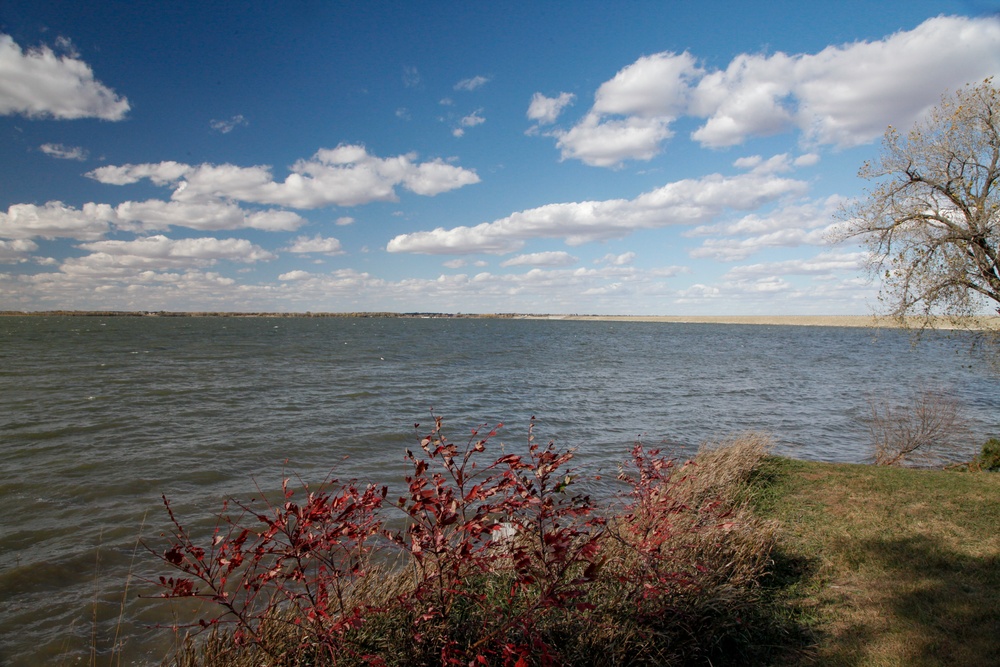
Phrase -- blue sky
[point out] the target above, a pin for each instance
(630, 158)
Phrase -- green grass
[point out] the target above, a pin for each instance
(887, 566)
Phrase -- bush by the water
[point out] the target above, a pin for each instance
(989, 457)
(498, 560)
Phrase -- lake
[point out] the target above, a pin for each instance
(99, 416)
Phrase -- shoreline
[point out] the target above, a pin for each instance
(855, 321)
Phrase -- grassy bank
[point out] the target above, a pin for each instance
(888, 566)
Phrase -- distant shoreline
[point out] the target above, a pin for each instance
(870, 321)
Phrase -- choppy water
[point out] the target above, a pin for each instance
(99, 416)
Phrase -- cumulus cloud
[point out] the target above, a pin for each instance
(472, 83)
(160, 173)
(227, 126)
(327, 245)
(797, 224)
(545, 110)
(844, 95)
(62, 152)
(775, 164)
(344, 220)
(623, 259)
(39, 83)
(155, 214)
(92, 221)
(160, 252)
(344, 176)
(56, 220)
(551, 258)
(295, 275)
(608, 143)
(16, 251)
(652, 86)
(825, 263)
(690, 201)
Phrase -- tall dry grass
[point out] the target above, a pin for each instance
(675, 577)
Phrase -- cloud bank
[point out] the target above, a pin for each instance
(343, 176)
(842, 96)
(686, 202)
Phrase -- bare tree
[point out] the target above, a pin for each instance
(932, 221)
(930, 429)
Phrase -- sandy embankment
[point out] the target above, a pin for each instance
(774, 320)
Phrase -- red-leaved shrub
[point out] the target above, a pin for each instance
(498, 560)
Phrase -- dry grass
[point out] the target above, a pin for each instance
(892, 566)
(711, 610)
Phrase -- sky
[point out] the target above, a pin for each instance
(633, 158)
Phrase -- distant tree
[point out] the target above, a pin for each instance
(932, 221)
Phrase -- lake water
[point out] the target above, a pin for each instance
(101, 415)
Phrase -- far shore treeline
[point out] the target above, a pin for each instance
(164, 313)
(977, 323)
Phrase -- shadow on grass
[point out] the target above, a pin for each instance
(923, 603)
(783, 619)
(946, 603)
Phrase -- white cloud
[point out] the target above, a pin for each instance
(848, 95)
(344, 220)
(16, 251)
(38, 83)
(160, 173)
(327, 246)
(454, 263)
(775, 164)
(825, 263)
(730, 250)
(844, 95)
(807, 160)
(227, 126)
(650, 94)
(551, 258)
(801, 223)
(746, 98)
(274, 220)
(471, 120)
(623, 259)
(683, 202)
(472, 83)
(608, 143)
(344, 176)
(160, 252)
(295, 275)
(62, 152)
(653, 86)
(155, 214)
(545, 110)
(93, 221)
(56, 220)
